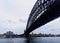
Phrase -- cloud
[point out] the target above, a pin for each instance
(14, 14)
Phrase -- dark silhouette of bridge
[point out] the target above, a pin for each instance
(43, 12)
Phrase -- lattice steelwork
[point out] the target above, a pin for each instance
(39, 8)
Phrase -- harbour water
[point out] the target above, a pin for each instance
(31, 40)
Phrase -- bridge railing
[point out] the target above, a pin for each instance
(40, 7)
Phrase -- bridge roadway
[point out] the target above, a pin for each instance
(49, 15)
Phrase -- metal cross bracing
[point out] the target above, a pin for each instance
(39, 8)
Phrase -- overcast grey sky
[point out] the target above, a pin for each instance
(14, 15)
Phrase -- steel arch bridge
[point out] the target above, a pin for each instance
(43, 12)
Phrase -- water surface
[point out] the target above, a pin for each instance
(31, 40)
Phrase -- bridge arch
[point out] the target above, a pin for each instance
(43, 12)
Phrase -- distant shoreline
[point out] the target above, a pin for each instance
(31, 37)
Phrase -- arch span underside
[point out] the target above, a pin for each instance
(37, 19)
